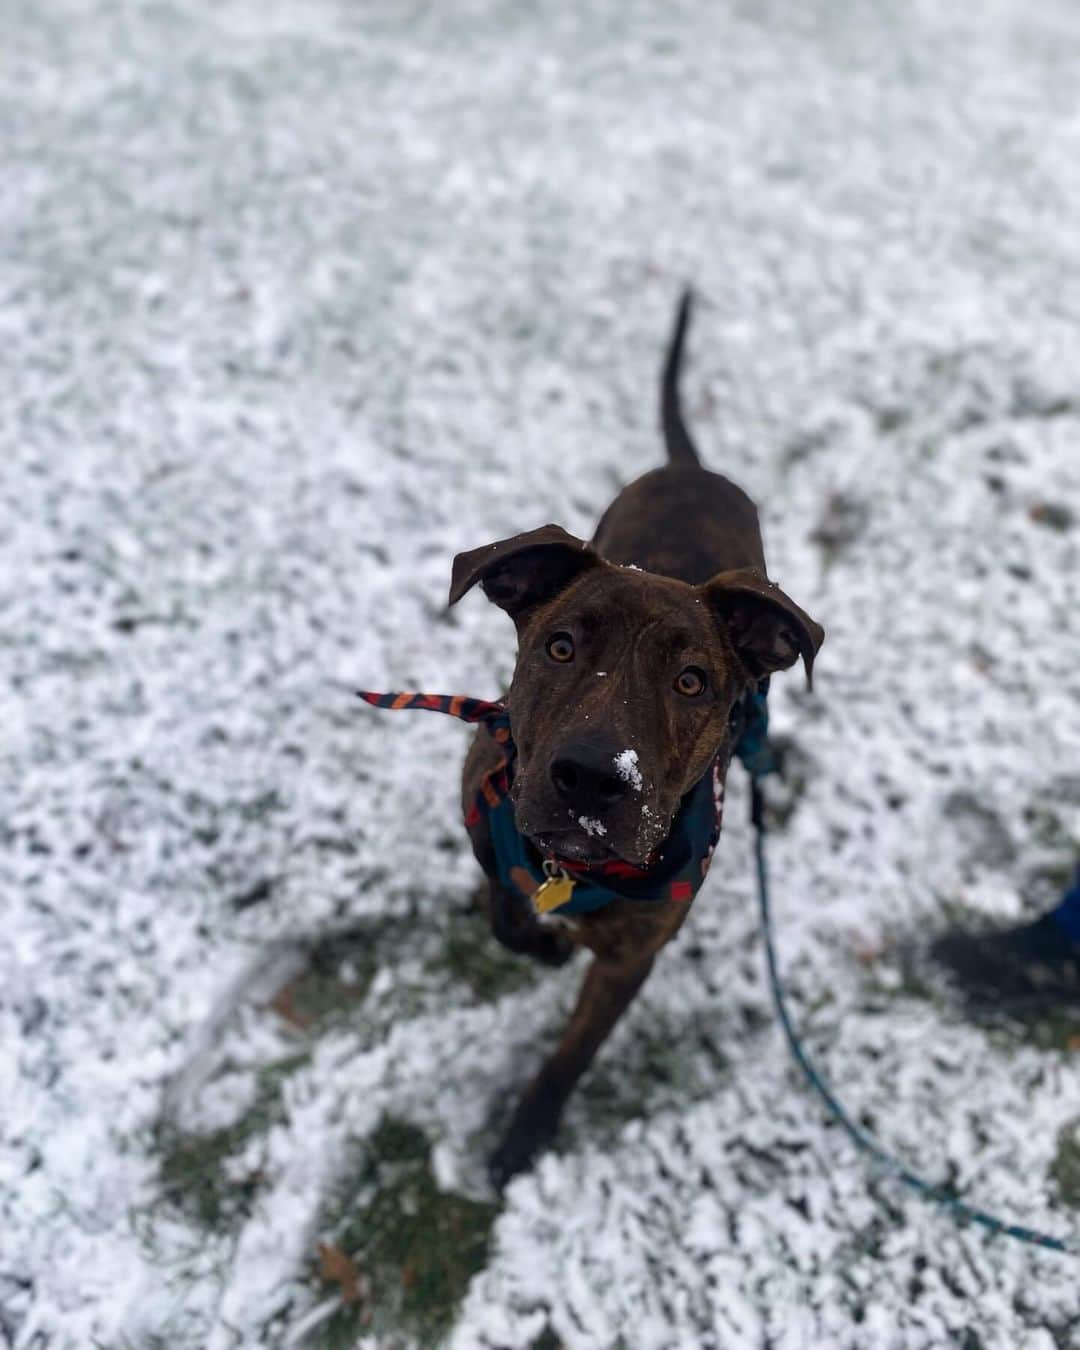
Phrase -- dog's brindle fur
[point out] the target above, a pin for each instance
(674, 578)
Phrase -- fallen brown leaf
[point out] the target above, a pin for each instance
(284, 1004)
(337, 1268)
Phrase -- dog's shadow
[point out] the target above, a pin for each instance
(310, 984)
(267, 1025)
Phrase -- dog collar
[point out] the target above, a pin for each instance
(554, 885)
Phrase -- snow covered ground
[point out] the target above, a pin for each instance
(298, 300)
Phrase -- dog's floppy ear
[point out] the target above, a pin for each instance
(767, 628)
(525, 570)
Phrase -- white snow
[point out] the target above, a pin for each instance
(626, 766)
(593, 828)
(297, 302)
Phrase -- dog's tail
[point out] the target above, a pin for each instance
(680, 447)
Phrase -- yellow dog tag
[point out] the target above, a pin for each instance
(554, 893)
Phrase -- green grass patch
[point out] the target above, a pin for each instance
(1048, 829)
(415, 1247)
(430, 958)
(196, 1177)
(435, 962)
(470, 956)
(1065, 1169)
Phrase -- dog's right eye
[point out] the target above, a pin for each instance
(691, 682)
(560, 647)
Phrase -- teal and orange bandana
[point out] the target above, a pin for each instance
(562, 886)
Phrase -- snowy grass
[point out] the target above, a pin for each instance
(297, 302)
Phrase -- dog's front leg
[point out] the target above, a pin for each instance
(605, 995)
(515, 925)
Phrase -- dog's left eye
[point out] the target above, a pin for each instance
(691, 681)
(560, 647)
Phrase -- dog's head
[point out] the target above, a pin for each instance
(624, 685)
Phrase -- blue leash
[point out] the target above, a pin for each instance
(941, 1194)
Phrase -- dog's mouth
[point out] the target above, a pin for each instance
(576, 845)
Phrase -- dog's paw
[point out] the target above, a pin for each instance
(552, 947)
(531, 1132)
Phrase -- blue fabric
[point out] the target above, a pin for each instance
(1067, 914)
(512, 852)
(753, 750)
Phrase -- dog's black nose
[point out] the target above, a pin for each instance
(585, 777)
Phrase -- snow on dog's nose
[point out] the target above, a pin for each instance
(586, 778)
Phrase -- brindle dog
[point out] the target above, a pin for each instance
(645, 639)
